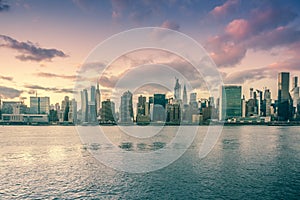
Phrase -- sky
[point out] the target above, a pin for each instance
(45, 45)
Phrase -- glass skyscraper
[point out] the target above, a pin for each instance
(231, 103)
(39, 105)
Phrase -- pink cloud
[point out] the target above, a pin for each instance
(227, 7)
(225, 52)
(238, 28)
(264, 29)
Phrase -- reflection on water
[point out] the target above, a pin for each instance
(246, 163)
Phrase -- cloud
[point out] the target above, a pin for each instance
(7, 78)
(9, 93)
(30, 51)
(52, 75)
(170, 25)
(225, 53)
(4, 6)
(264, 29)
(228, 7)
(277, 37)
(50, 89)
(244, 76)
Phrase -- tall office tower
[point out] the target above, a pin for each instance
(84, 105)
(98, 99)
(92, 109)
(284, 101)
(244, 107)
(295, 93)
(193, 97)
(184, 97)
(283, 86)
(268, 101)
(39, 105)
(251, 93)
(177, 90)
(159, 107)
(126, 109)
(65, 107)
(231, 104)
(108, 111)
(141, 106)
(72, 115)
(93, 93)
(259, 102)
(193, 100)
(295, 81)
(173, 113)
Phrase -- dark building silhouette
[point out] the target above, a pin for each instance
(108, 111)
(284, 103)
(159, 113)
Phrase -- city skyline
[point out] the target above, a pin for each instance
(250, 42)
(230, 105)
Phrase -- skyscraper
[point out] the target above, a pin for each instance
(268, 101)
(108, 111)
(98, 99)
(84, 105)
(184, 96)
(141, 105)
(284, 103)
(177, 90)
(92, 110)
(126, 109)
(295, 95)
(39, 105)
(159, 107)
(231, 104)
(283, 86)
(65, 107)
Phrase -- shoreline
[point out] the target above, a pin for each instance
(276, 123)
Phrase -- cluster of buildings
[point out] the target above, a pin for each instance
(39, 112)
(260, 106)
(231, 106)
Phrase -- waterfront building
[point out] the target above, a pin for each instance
(108, 111)
(284, 103)
(126, 108)
(173, 113)
(231, 104)
(159, 106)
(177, 90)
(14, 107)
(295, 95)
(267, 102)
(84, 105)
(184, 96)
(39, 105)
(98, 99)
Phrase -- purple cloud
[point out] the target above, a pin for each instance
(50, 89)
(265, 29)
(9, 93)
(4, 6)
(29, 50)
(7, 78)
(52, 75)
